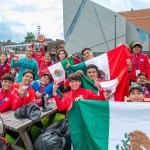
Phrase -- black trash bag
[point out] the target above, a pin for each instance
(54, 137)
(30, 110)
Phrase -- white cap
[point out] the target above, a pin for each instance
(11, 51)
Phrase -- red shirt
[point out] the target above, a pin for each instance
(9, 101)
(29, 96)
(69, 97)
(4, 69)
(77, 60)
(44, 68)
(39, 59)
(139, 62)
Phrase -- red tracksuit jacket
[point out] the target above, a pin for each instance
(9, 101)
(139, 64)
(69, 97)
(4, 69)
(39, 59)
(44, 68)
(30, 95)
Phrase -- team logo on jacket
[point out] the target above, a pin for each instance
(135, 140)
(58, 73)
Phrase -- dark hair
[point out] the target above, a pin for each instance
(142, 74)
(47, 74)
(101, 73)
(29, 71)
(6, 59)
(48, 54)
(74, 76)
(10, 72)
(7, 76)
(85, 50)
(57, 55)
(92, 66)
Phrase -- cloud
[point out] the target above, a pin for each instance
(123, 5)
(46, 13)
(17, 17)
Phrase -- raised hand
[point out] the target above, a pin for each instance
(79, 98)
(21, 91)
(97, 84)
(55, 87)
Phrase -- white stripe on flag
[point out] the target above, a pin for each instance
(102, 63)
(110, 86)
(57, 71)
(126, 118)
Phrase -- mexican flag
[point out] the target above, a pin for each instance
(113, 72)
(58, 70)
(97, 125)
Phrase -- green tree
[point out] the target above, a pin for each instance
(30, 37)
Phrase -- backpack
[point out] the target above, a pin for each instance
(4, 145)
(54, 137)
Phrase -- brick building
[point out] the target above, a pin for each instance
(140, 18)
(20, 47)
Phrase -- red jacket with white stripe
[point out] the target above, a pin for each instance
(69, 97)
(4, 69)
(9, 101)
(29, 96)
(142, 65)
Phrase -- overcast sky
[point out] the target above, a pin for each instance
(17, 17)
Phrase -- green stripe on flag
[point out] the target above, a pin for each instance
(89, 125)
(87, 83)
(74, 68)
(66, 61)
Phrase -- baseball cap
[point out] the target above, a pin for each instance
(137, 43)
(136, 86)
(11, 51)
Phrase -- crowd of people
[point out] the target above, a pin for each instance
(24, 80)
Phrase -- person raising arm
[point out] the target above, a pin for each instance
(75, 94)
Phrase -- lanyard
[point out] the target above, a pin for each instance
(135, 66)
(26, 90)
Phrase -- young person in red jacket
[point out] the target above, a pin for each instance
(8, 100)
(140, 62)
(4, 65)
(46, 63)
(38, 57)
(24, 90)
(75, 94)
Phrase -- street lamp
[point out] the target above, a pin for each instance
(115, 28)
(38, 29)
